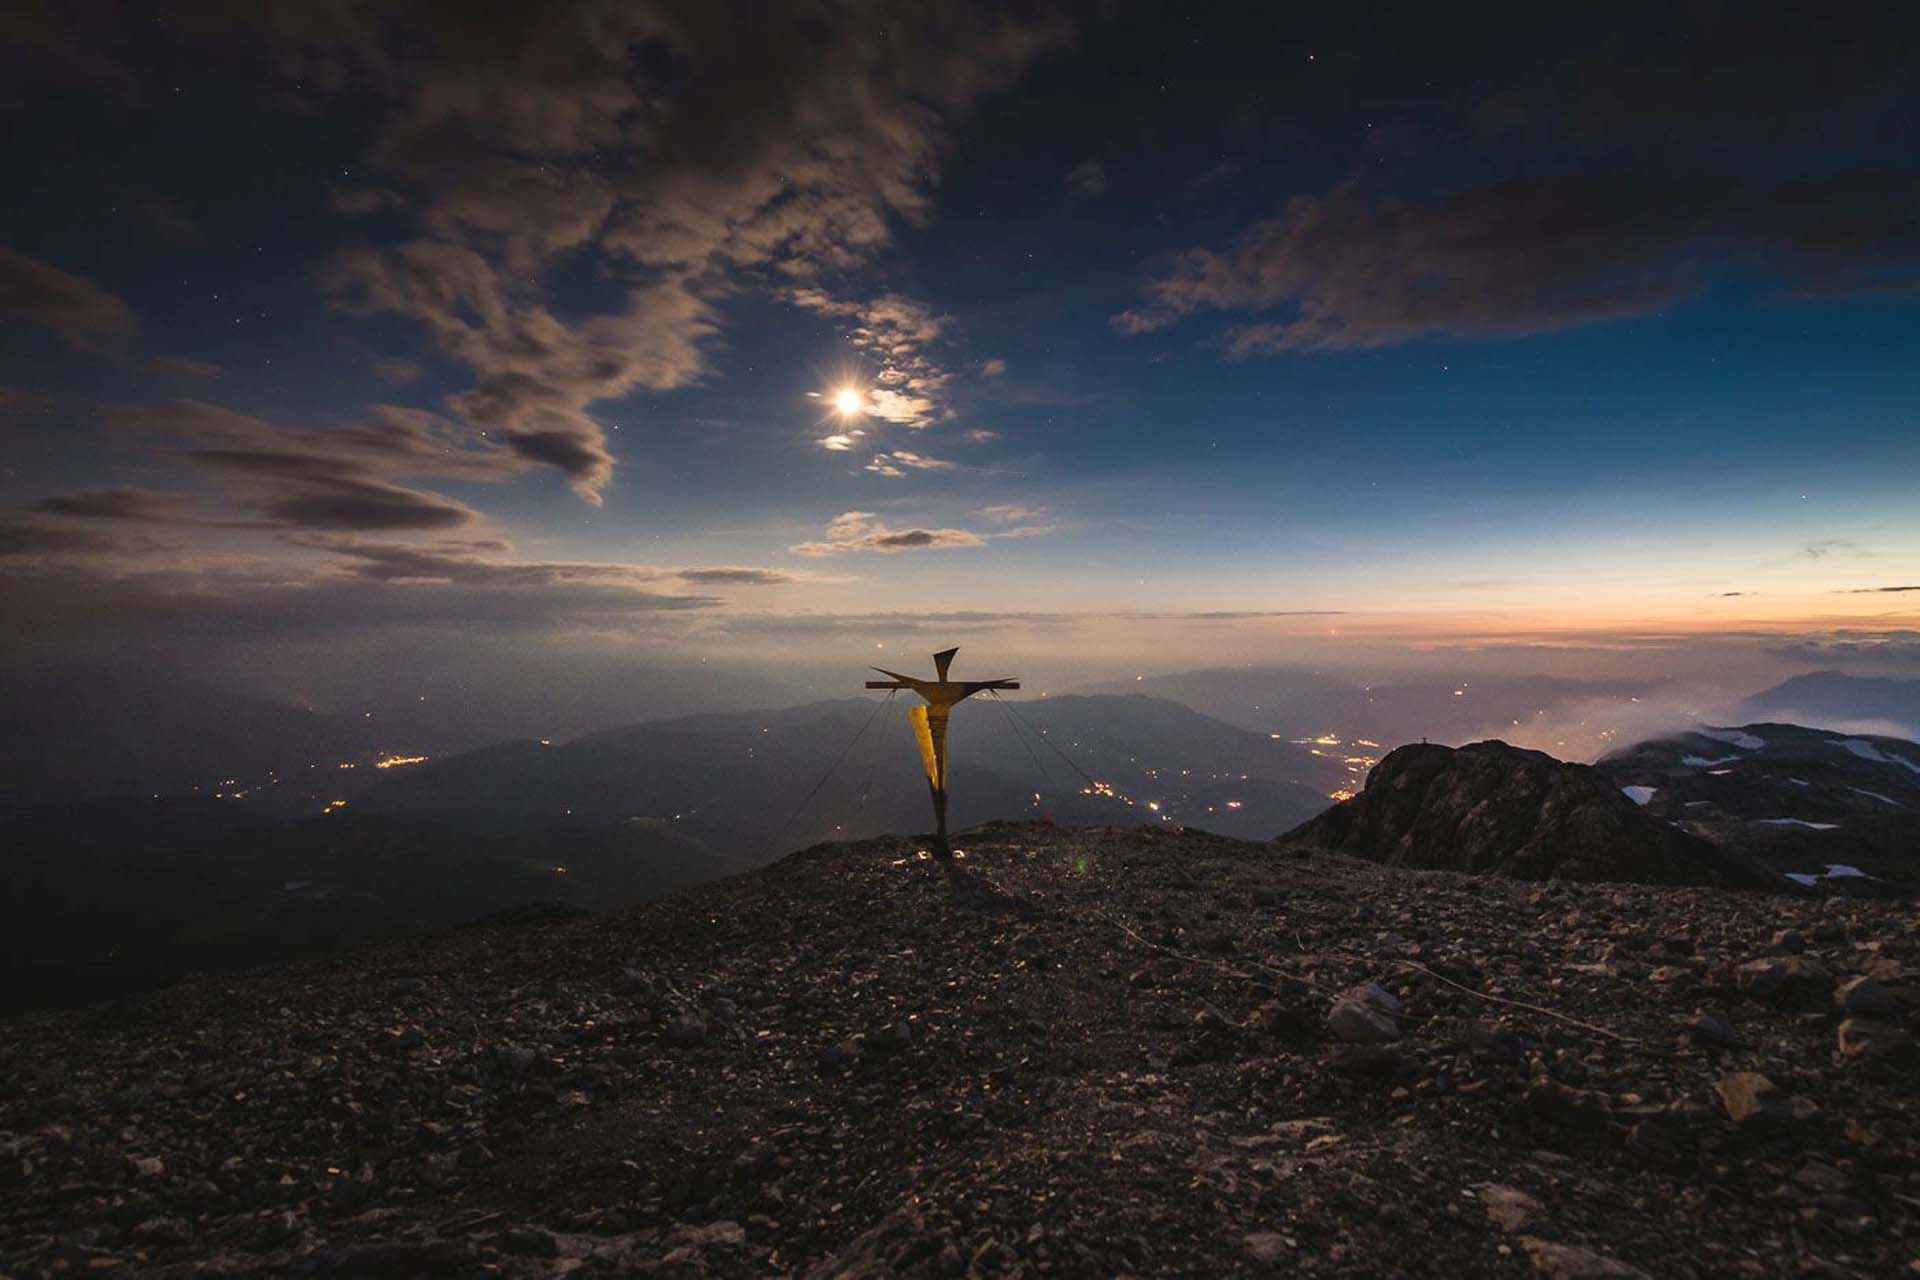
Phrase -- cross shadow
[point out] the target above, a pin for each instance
(973, 893)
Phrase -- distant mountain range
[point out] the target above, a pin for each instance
(738, 782)
(1443, 707)
(110, 895)
(1836, 700)
(104, 896)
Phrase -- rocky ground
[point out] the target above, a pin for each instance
(1093, 1053)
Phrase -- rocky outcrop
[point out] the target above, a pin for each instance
(1491, 807)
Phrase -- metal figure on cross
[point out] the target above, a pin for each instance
(930, 728)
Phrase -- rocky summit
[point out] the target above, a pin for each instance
(1489, 806)
(1083, 1052)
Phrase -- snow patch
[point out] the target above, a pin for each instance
(1867, 751)
(1640, 795)
(1734, 737)
(1701, 762)
(1877, 796)
(1800, 822)
(1835, 870)
(1799, 782)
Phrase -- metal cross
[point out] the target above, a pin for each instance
(930, 728)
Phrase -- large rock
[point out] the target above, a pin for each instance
(1494, 807)
(1867, 998)
(1365, 1015)
(1794, 979)
(1750, 1097)
(1863, 1038)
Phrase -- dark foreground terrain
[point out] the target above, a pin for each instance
(1094, 1052)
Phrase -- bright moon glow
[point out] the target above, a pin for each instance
(847, 401)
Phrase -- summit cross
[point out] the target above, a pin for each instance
(930, 728)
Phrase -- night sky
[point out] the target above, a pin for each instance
(1157, 322)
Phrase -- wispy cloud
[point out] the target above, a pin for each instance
(179, 367)
(899, 461)
(865, 531)
(74, 307)
(908, 386)
(1088, 178)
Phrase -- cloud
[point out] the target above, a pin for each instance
(353, 201)
(898, 462)
(26, 536)
(1863, 591)
(213, 604)
(73, 307)
(395, 370)
(138, 505)
(1511, 259)
(740, 576)
(1011, 513)
(324, 501)
(1846, 548)
(476, 564)
(1088, 178)
(348, 478)
(993, 368)
(176, 367)
(1897, 649)
(60, 43)
(894, 331)
(536, 376)
(1634, 175)
(672, 146)
(864, 531)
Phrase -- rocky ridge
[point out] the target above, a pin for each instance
(1090, 1052)
(1493, 807)
(1842, 809)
